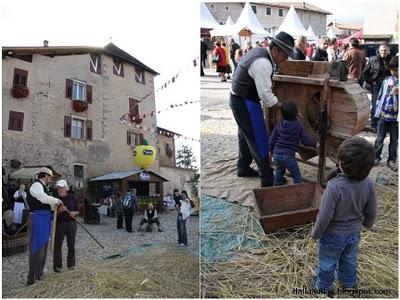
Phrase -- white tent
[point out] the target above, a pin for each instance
(292, 24)
(311, 34)
(248, 24)
(225, 30)
(206, 19)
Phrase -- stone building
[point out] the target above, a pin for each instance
(272, 14)
(179, 178)
(62, 106)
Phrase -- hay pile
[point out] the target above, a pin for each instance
(289, 260)
(160, 273)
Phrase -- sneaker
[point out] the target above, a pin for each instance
(57, 270)
(377, 161)
(250, 172)
(182, 244)
(392, 165)
(29, 283)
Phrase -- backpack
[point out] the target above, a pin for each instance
(127, 202)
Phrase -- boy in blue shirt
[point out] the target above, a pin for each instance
(387, 107)
(284, 143)
(347, 204)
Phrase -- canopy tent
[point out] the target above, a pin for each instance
(292, 24)
(248, 24)
(311, 34)
(225, 30)
(206, 19)
(356, 35)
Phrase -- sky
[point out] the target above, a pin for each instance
(161, 34)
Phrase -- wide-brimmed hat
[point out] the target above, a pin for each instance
(285, 42)
(46, 170)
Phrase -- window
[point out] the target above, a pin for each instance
(20, 77)
(134, 138)
(227, 7)
(78, 171)
(268, 11)
(118, 68)
(78, 91)
(254, 9)
(139, 75)
(134, 110)
(152, 189)
(16, 121)
(95, 63)
(77, 126)
(280, 12)
(212, 6)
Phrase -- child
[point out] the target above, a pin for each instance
(387, 107)
(347, 204)
(284, 143)
(184, 213)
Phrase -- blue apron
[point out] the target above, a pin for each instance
(41, 227)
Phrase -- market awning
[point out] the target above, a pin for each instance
(117, 175)
(28, 173)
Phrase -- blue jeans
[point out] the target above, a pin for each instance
(384, 128)
(283, 162)
(182, 234)
(336, 250)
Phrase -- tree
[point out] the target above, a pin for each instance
(185, 158)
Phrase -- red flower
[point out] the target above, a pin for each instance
(20, 91)
(79, 106)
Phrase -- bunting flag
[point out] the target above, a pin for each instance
(195, 62)
(127, 116)
(154, 130)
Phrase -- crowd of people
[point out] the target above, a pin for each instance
(39, 202)
(377, 75)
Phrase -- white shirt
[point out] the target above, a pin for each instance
(20, 193)
(37, 191)
(185, 208)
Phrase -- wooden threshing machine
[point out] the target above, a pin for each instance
(333, 109)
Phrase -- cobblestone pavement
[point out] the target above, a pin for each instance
(15, 268)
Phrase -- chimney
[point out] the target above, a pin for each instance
(45, 43)
(304, 5)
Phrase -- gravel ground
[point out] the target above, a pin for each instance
(15, 268)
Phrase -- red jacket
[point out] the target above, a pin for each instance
(222, 55)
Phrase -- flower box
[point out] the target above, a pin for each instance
(79, 106)
(20, 91)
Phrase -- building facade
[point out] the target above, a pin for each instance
(344, 30)
(271, 15)
(62, 106)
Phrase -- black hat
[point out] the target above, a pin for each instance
(285, 42)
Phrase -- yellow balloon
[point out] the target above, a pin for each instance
(144, 156)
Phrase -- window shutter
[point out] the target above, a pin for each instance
(133, 108)
(67, 126)
(89, 93)
(16, 78)
(68, 89)
(11, 121)
(95, 63)
(16, 121)
(128, 137)
(89, 130)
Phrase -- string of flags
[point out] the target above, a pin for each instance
(175, 77)
(154, 130)
(128, 116)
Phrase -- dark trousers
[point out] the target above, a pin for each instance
(248, 149)
(382, 130)
(374, 97)
(120, 220)
(151, 221)
(37, 261)
(65, 229)
(128, 212)
(182, 233)
(234, 64)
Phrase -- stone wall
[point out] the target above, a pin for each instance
(178, 179)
